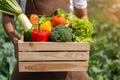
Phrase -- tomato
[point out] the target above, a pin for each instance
(58, 20)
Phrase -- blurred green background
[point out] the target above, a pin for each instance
(104, 63)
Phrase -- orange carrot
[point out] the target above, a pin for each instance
(34, 20)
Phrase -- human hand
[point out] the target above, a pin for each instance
(15, 42)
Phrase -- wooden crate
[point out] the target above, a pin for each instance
(53, 56)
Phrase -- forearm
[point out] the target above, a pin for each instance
(81, 13)
(8, 24)
(80, 8)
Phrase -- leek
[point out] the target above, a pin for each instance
(11, 7)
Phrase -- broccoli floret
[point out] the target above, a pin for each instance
(60, 33)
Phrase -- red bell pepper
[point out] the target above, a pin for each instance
(42, 36)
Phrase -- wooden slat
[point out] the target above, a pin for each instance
(53, 46)
(39, 56)
(52, 66)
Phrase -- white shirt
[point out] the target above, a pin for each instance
(80, 4)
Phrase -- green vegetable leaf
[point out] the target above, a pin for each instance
(82, 30)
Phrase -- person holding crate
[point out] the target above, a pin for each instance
(45, 7)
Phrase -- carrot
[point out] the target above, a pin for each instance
(34, 20)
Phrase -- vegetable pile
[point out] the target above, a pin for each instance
(60, 27)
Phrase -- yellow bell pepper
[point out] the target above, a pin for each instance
(47, 25)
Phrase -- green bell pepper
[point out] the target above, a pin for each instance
(27, 34)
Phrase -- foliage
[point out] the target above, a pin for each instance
(105, 51)
(7, 59)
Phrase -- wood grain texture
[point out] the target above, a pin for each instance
(45, 56)
(53, 46)
(53, 56)
(52, 66)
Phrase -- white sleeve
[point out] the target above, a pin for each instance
(80, 4)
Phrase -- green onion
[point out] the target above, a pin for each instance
(11, 7)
